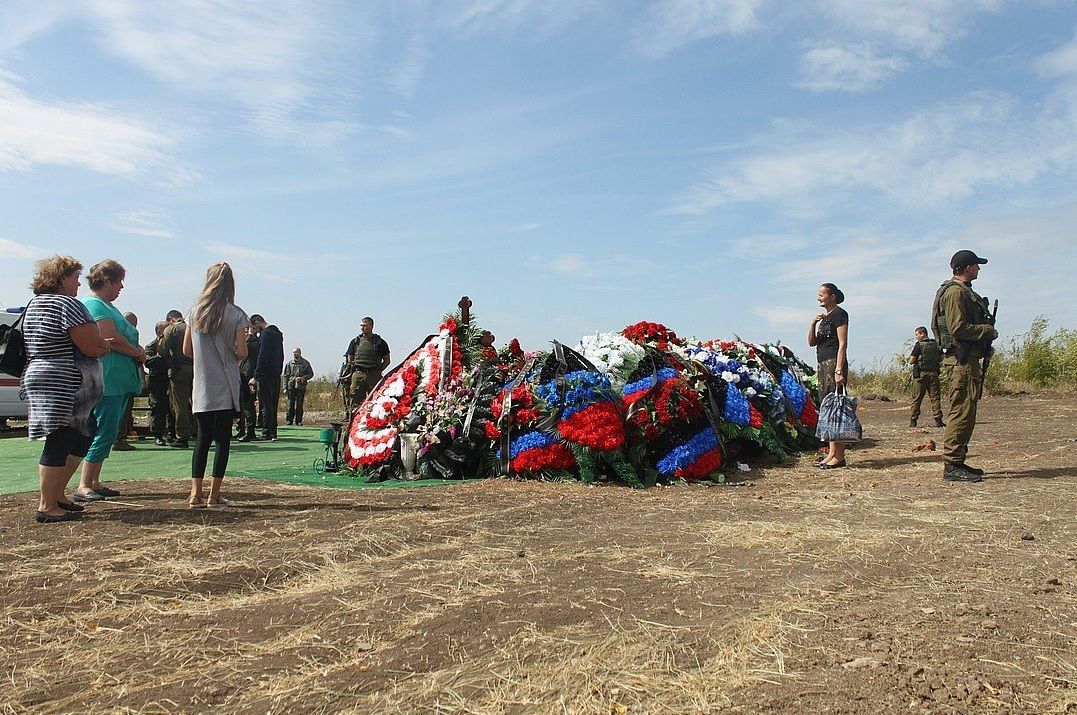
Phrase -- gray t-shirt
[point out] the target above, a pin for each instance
(216, 369)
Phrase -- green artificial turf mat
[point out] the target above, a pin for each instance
(290, 459)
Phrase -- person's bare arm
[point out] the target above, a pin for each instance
(119, 343)
(241, 344)
(88, 339)
(385, 362)
(188, 342)
(812, 340)
(843, 340)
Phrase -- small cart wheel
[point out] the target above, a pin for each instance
(319, 465)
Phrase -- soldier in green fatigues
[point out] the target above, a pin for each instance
(180, 377)
(365, 359)
(926, 360)
(963, 327)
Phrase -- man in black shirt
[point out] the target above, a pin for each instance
(267, 373)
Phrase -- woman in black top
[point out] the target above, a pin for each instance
(829, 335)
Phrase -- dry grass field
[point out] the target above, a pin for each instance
(878, 588)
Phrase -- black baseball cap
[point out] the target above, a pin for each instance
(965, 258)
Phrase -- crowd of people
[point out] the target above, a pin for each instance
(205, 374)
(218, 369)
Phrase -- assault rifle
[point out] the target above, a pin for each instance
(989, 350)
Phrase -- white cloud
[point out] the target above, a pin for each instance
(13, 249)
(241, 254)
(405, 77)
(151, 224)
(1061, 62)
(90, 136)
(923, 27)
(924, 159)
(671, 24)
(273, 56)
(508, 16)
(868, 41)
(572, 264)
(526, 227)
(856, 68)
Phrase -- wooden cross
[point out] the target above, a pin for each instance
(465, 310)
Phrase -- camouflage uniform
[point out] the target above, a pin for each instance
(162, 419)
(926, 378)
(962, 323)
(181, 378)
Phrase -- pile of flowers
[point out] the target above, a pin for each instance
(641, 406)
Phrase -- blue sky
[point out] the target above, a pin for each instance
(572, 166)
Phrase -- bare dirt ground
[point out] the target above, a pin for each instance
(878, 588)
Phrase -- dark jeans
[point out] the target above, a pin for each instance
(295, 405)
(268, 397)
(213, 427)
(162, 419)
(247, 416)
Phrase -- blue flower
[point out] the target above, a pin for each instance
(736, 408)
(582, 388)
(666, 373)
(687, 453)
(794, 391)
(530, 440)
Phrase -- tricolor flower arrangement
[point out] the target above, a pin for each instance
(698, 458)
(539, 452)
(590, 413)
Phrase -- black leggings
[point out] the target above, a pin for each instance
(216, 427)
(62, 443)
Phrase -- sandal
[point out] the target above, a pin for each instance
(70, 506)
(199, 503)
(835, 465)
(217, 502)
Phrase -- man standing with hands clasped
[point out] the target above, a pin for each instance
(296, 375)
(964, 329)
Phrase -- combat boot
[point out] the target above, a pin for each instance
(939, 423)
(912, 423)
(975, 470)
(958, 473)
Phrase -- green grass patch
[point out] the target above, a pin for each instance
(290, 459)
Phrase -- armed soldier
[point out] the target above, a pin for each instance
(964, 328)
(364, 360)
(926, 360)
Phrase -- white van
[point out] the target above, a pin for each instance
(10, 404)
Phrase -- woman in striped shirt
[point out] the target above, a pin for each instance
(62, 382)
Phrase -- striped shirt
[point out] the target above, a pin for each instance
(60, 383)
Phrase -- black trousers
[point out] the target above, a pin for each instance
(268, 399)
(213, 427)
(247, 416)
(295, 405)
(162, 419)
